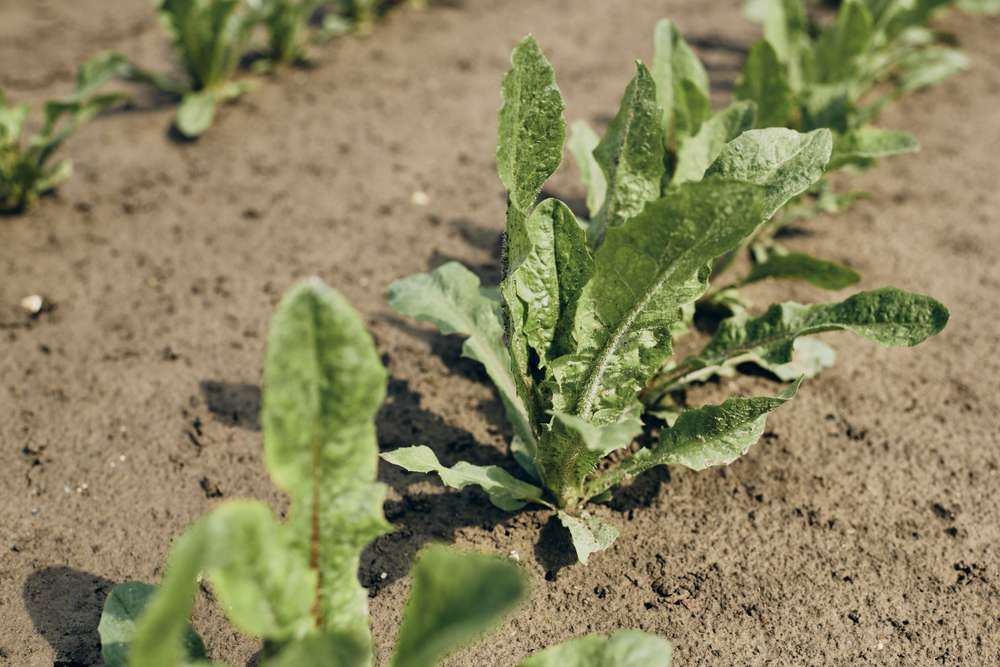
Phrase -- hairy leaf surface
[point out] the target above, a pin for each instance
(532, 130)
(887, 316)
(869, 142)
(645, 271)
(784, 161)
(631, 155)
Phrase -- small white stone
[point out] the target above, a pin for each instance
(121, 458)
(420, 198)
(515, 556)
(383, 576)
(33, 304)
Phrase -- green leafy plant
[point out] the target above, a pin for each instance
(800, 77)
(210, 38)
(294, 583)
(578, 338)
(26, 167)
(287, 24)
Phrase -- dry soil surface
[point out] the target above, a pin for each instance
(862, 530)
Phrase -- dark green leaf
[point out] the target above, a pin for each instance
(630, 155)
(532, 129)
(765, 82)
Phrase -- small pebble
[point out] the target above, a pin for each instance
(33, 304)
(420, 198)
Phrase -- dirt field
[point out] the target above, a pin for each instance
(862, 530)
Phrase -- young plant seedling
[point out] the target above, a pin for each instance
(210, 38)
(26, 168)
(287, 24)
(294, 584)
(581, 328)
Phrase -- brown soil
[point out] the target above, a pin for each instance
(862, 530)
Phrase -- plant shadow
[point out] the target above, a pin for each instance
(65, 608)
(233, 403)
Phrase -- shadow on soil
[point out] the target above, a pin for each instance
(232, 403)
(65, 607)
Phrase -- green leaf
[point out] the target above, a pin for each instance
(547, 264)
(602, 440)
(625, 648)
(589, 534)
(716, 434)
(644, 273)
(841, 46)
(786, 28)
(683, 105)
(122, 609)
(630, 155)
(450, 297)
(987, 7)
(582, 142)
(799, 266)
(784, 161)
(323, 384)
(699, 151)
(341, 650)
(455, 597)
(887, 316)
(869, 143)
(196, 113)
(926, 67)
(505, 491)
(765, 82)
(261, 581)
(98, 70)
(532, 129)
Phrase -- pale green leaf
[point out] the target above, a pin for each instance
(454, 598)
(589, 534)
(122, 609)
(323, 384)
(602, 440)
(263, 582)
(800, 266)
(784, 161)
(644, 273)
(531, 130)
(869, 143)
(697, 152)
(987, 7)
(630, 155)
(926, 67)
(582, 142)
(504, 490)
(450, 297)
(625, 648)
(196, 113)
(765, 82)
